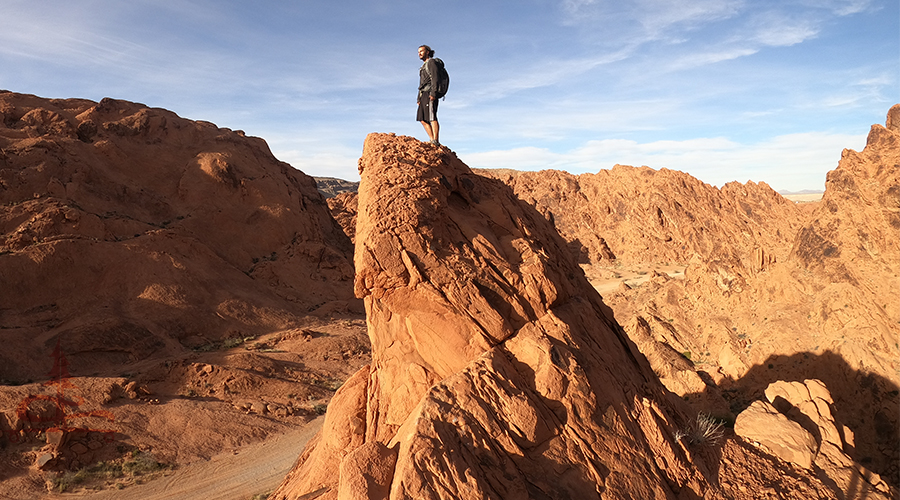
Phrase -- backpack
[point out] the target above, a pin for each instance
(443, 80)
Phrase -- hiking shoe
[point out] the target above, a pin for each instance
(436, 143)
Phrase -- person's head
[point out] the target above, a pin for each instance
(425, 52)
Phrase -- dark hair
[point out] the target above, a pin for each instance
(428, 49)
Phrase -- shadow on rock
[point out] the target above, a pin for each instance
(817, 412)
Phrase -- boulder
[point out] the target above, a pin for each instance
(765, 426)
(796, 424)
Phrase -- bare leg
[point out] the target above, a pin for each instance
(435, 130)
(427, 126)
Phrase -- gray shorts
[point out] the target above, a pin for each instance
(427, 111)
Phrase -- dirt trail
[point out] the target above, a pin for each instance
(255, 469)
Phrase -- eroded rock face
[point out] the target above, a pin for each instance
(633, 215)
(796, 423)
(771, 292)
(124, 228)
(344, 207)
(820, 311)
(852, 237)
(497, 370)
(763, 425)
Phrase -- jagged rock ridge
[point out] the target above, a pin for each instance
(821, 312)
(635, 215)
(497, 370)
(331, 187)
(629, 215)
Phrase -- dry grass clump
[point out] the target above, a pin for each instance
(706, 431)
(121, 472)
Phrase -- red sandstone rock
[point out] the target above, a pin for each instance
(761, 424)
(822, 310)
(797, 425)
(344, 207)
(123, 228)
(486, 332)
(497, 370)
(636, 215)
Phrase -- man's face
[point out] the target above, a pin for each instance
(422, 53)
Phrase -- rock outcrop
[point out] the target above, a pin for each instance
(629, 216)
(635, 215)
(795, 422)
(344, 208)
(851, 240)
(497, 370)
(331, 187)
(823, 310)
(127, 230)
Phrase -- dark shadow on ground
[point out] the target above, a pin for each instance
(868, 404)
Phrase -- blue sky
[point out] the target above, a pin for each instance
(721, 89)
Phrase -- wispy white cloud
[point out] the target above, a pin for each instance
(90, 43)
(538, 74)
(779, 29)
(699, 59)
(705, 32)
(57, 40)
(655, 18)
(842, 7)
(713, 160)
(658, 16)
(203, 47)
(313, 78)
(558, 121)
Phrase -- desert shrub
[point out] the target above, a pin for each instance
(706, 431)
(329, 384)
(231, 343)
(141, 463)
(137, 463)
(107, 470)
(228, 343)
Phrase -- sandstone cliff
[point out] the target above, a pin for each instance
(635, 215)
(497, 370)
(127, 230)
(824, 311)
(628, 216)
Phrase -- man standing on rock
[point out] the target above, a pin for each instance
(427, 101)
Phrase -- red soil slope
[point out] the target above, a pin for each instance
(126, 231)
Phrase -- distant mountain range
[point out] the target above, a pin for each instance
(805, 191)
(331, 187)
